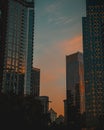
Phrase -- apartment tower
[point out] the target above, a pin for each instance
(93, 49)
(16, 46)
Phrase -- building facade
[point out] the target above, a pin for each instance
(75, 102)
(65, 111)
(93, 44)
(53, 115)
(16, 46)
(35, 82)
(44, 100)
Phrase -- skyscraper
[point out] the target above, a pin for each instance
(44, 102)
(74, 86)
(35, 82)
(16, 45)
(93, 44)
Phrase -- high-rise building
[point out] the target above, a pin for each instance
(93, 44)
(44, 100)
(35, 82)
(74, 103)
(16, 45)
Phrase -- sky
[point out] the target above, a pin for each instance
(57, 33)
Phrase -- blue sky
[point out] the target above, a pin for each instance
(58, 32)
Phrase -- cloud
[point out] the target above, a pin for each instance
(60, 20)
(53, 70)
(71, 45)
(55, 15)
(53, 7)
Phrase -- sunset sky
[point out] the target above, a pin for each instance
(58, 32)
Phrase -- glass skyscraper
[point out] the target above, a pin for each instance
(16, 45)
(93, 49)
(75, 102)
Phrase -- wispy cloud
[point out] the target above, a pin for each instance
(60, 20)
(53, 7)
(55, 15)
(72, 45)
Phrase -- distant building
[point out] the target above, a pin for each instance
(60, 119)
(53, 115)
(35, 82)
(16, 46)
(75, 102)
(93, 50)
(44, 102)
